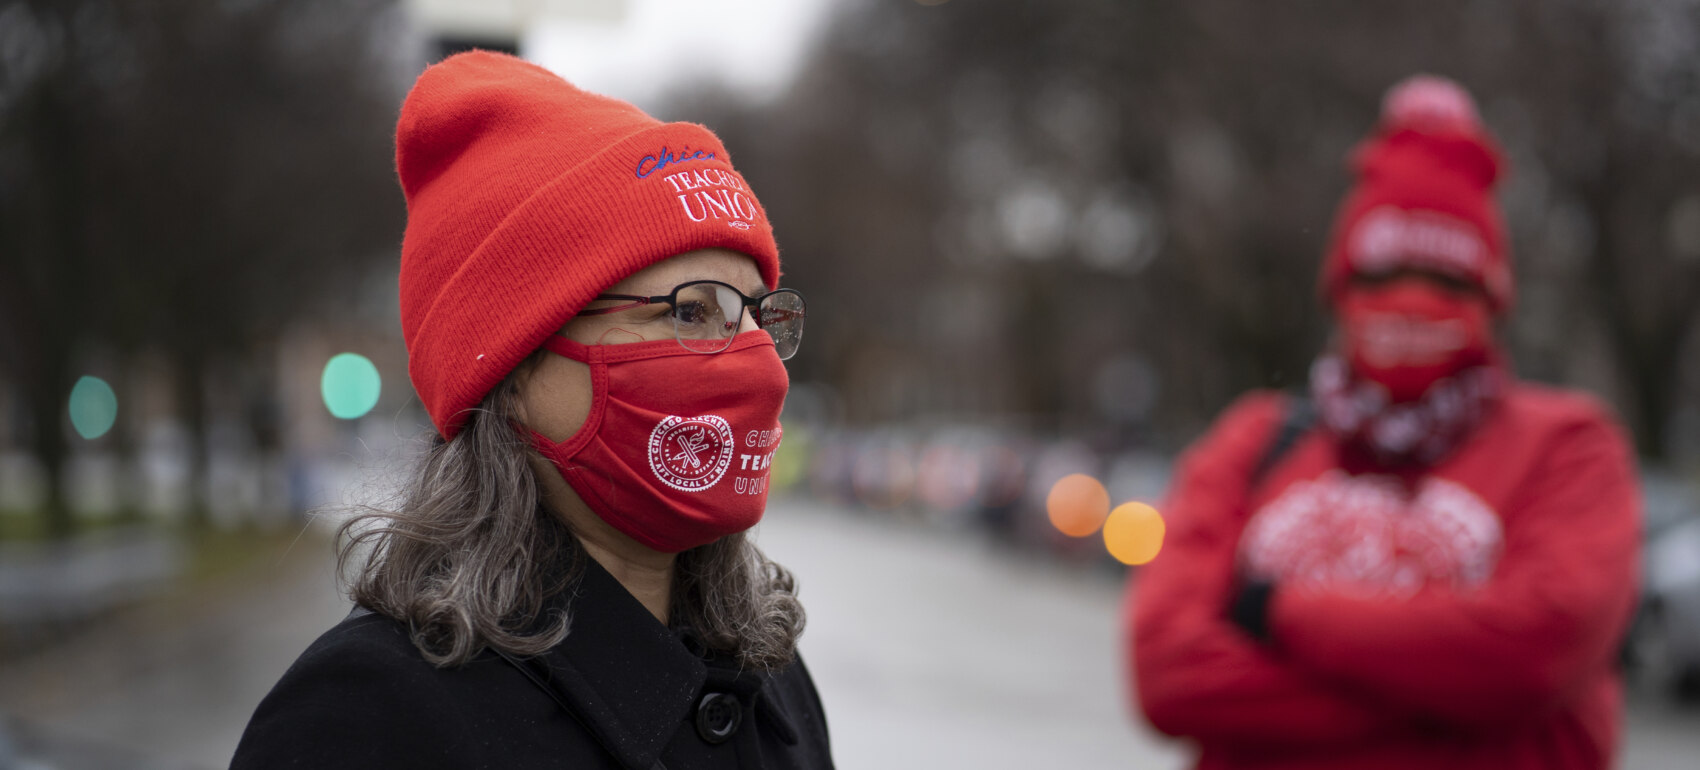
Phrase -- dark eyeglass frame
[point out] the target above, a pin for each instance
(672, 300)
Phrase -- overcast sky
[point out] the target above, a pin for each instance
(754, 45)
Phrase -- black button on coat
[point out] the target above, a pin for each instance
(621, 691)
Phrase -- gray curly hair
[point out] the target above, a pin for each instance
(469, 558)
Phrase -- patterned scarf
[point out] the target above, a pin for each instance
(1421, 432)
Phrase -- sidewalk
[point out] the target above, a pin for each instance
(174, 680)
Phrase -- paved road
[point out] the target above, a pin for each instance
(931, 649)
(936, 649)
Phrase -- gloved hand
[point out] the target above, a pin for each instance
(1249, 608)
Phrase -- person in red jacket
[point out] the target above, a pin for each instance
(1426, 563)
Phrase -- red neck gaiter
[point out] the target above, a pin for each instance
(676, 449)
(1417, 373)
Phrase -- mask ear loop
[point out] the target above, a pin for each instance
(560, 452)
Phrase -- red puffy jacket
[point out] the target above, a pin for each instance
(1481, 636)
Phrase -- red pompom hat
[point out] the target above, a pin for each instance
(1424, 197)
(526, 197)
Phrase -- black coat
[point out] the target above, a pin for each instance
(621, 691)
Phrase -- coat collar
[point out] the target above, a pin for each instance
(626, 677)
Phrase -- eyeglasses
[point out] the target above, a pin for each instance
(706, 315)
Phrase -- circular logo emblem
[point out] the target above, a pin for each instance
(690, 454)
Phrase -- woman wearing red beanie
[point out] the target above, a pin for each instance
(1425, 563)
(593, 321)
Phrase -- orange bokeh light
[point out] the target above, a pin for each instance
(1077, 505)
(1134, 533)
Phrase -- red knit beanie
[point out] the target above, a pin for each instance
(526, 197)
(1424, 197)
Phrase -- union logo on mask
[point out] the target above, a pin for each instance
(691, 454)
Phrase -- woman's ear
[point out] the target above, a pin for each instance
(519, 377)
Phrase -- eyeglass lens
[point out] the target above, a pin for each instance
(706, 317)
(781, 315)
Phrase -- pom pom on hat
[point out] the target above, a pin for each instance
(527, 197)
(1431, 104)
(1424, 196)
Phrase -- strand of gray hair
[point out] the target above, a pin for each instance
(739, 601)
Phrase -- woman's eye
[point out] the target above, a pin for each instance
(691, 313)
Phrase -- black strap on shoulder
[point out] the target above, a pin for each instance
(1299, 415)
(536, 679)
(526, 670)
(531, 673)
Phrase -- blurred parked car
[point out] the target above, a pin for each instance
(1663, 652)
(977, 476)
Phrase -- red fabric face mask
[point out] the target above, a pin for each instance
(1409, 334)
(676, 449)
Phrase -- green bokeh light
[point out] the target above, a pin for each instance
(791, 459)
(94, 407)
(350, 385)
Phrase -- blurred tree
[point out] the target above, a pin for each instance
(1613, 124)
(185, 176)
(1002, 195)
